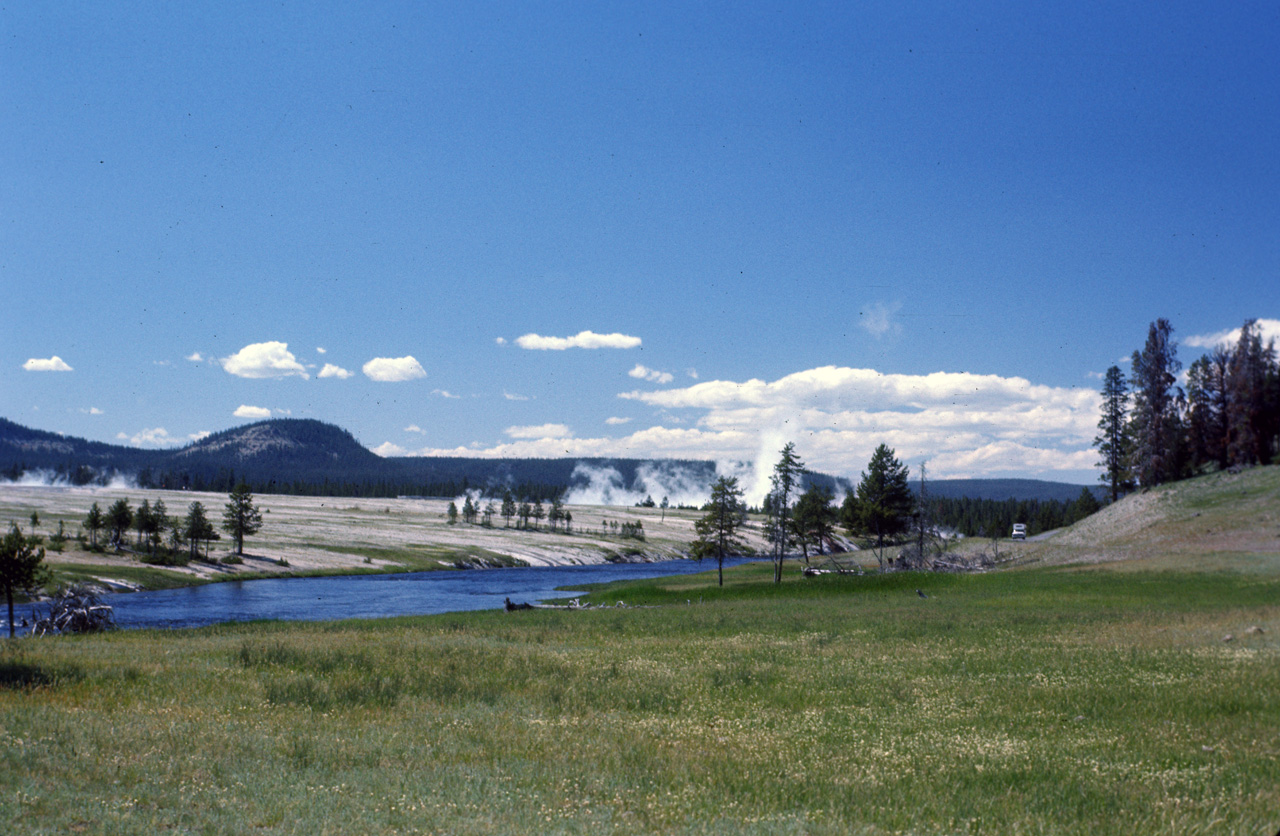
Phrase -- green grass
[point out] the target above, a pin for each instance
(1046, 701)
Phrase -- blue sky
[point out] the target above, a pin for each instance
(628, 230)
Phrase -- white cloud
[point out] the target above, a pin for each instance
(93, 410)
(393, 369)
(583, 339)
(693, 373)
(320, 350)
(512, 396)
(1269, 328)
(557, 431)
(965, 425)
(652, 375)
(445, 393)
(388, 449)
(259, 412)
(877, 319)
(195, 357)
(53, 364)
(330, 370)
(500, 340)
(199, 435)
(615, 422)
(413, 428)
(153, 437)
(264, 360)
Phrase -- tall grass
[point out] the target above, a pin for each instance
(1035, 702)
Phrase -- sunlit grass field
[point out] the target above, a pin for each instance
(1040, 701)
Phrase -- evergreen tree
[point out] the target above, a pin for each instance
(142, 521)
(241, 518)
(1247, 441)
(156, 525)
(1085, 505)
(452, 512)
(1113, 441)
(197, 529)
(1203, 438)
(813, 519)
(539, 513)
(508, 507)
(1155, 423)
(884, 503)
(20, 568)
(785, 483)
(717, 530)
(94, 523)
(120, 517)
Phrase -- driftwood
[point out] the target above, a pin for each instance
(75, 609)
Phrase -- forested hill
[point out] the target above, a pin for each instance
(1021, 490)
(299, 456)
(303, 456)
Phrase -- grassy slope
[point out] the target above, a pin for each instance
(1219, 521)
(1047, 700)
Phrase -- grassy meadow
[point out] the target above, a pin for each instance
(1091, 697)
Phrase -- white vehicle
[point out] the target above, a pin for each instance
(1019, 531)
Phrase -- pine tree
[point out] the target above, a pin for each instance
(813, 519)
(1155, 423)
(120, 516)
(717, 529)
(785, 483)
(884, 503)
(20, 568)
(94, 523)
(1246, 384)
(241, 518)
(508, 507)
(1113, 442)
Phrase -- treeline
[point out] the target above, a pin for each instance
(1153, 431)
(994, 518)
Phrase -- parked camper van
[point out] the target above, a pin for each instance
(1019, 531)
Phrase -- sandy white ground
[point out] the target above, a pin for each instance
(336, 534)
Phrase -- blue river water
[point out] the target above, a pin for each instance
(376, 596)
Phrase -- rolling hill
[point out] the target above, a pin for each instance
(305, 456)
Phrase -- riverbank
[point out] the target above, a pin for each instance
(318, 536)
(1068, 702)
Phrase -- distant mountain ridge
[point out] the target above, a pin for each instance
(306, 456)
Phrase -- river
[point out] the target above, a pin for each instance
(375, 596)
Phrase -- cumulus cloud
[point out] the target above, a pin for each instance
(614, 421)
(53, 364)
(264, 360)
(512, 396)
(259, 412)
(195, 357)
(330, 370)
(1269, 328)
(557, 431)
(93, 410)
(963, 424)
(877, 319)
(152, 437)
(413, 428)
(500, 340)
(445, 393)
(388, 449)
(652, 375)
(583, 339)
(197, 436)
(393, 369)
(320, 350)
